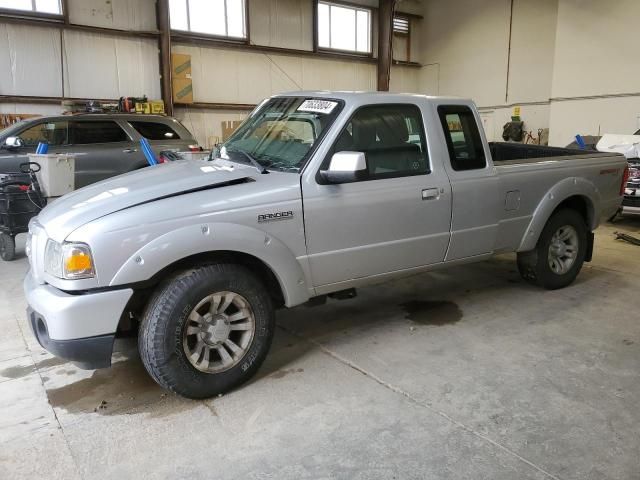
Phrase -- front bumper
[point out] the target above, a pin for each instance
(80, 327)
(631, 200)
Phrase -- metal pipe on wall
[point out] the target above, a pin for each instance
(162, 15)
(385, 39)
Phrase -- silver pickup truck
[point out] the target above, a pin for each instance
(315, 194)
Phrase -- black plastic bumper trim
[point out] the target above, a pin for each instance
(88, 353)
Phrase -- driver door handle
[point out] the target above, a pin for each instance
(130, 150)
(430, 194)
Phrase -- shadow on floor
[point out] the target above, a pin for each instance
(422, 301)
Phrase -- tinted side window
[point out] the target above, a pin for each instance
(392, 138)
(53, 133)
(463, 137)
(155, 131)
(104, 131)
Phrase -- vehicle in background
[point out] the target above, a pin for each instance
(104, 145)
(629, 146)
(314, 195)
(631, 201)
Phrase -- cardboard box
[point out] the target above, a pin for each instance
(180, 65)
(228, 127)
(157, 107)
(182, 90)
(143, 107)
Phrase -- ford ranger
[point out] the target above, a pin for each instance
(314, 195)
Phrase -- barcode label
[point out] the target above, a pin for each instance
(317, 106)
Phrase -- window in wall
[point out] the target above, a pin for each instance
(342, 27)
(463, 137)
(392, 138)
(223, 18)
(39, 6)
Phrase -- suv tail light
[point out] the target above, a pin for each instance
(625, 179)
(195, 148)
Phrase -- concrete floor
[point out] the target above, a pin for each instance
(465, 373)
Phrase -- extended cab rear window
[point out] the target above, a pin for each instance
(461, 133)
(155, 131)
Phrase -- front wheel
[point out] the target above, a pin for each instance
(559, 253)
(7, 247)
(206, 330)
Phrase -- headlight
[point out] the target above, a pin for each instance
(70, 261)
(27, 246)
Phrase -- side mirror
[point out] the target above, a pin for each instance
(346, 167)
(13, 142)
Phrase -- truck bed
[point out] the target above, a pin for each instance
(518, 153)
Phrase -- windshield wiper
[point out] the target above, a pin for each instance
(261, 168)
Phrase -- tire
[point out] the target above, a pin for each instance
(536, 266)
(173, 355)
(7, 247)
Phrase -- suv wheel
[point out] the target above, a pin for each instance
(7, 247)
(206, 330)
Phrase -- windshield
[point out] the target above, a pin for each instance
(11, 129)
(281, 133)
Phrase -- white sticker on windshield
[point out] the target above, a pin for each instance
(317, 106)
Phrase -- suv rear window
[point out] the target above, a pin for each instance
(155, 131)
(104, 131)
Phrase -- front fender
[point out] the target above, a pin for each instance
(210, 237)
(561, 191)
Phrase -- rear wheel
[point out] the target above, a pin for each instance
(7, 247)
(207, 330)
(559, 253)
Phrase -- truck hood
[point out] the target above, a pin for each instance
(70, 212)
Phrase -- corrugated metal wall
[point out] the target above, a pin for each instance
(42, 61)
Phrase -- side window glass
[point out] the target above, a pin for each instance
(155, 131)
(53, 133)
(391, 137)
(104, 131)
(461, 132)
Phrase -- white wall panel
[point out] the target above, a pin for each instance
(282, 23)
(596, 48)
(120, 14)
(533, 42)
(30, 108)
(469, 41)
(102, 66)
(30, 59)
(405, 80)
(593, 117)
(231, 76)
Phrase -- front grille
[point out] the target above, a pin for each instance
(631, 202)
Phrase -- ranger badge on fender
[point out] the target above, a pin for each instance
(270, 217)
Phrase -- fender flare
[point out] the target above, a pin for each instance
(561, 191)
(201, 238)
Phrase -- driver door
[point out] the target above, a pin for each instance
(53, 132)
(396, 218)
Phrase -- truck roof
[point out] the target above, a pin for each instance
(364, 96)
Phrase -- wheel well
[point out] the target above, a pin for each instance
(143, 291)
(580, 204)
